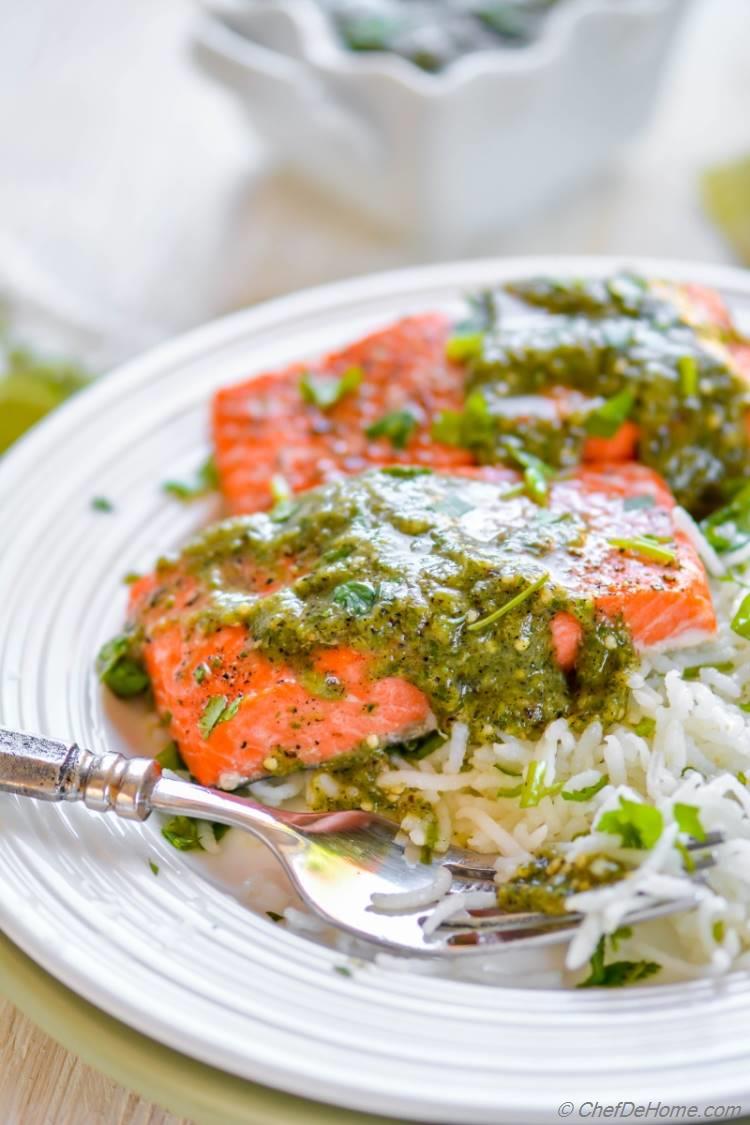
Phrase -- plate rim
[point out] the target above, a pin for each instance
(349, 293)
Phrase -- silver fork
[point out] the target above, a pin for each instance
(336, 861)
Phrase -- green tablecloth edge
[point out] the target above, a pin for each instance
(185, 1087)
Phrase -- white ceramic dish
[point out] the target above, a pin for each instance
(442, 158)
(175, 956)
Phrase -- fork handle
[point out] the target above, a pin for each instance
(133, 788)
(33, 766)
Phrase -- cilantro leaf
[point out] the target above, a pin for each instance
(217, 710)
(638, 825)
(102, 504)
(418, 748)
(355, 598)
(687, 369)
(170, 758)
(532, 789)
(325, 391)
(513, 603)
(587, 792)
(206, 480)
(618, 973)
(397, 427)
(119, 669)
(648, 546)
(406, 472)
(536, 474)
(728, 528)
(687, 818)
(605, 420)
(184, 832)
(464, 346)
(694, 670)
(470, 428)
(741, 619)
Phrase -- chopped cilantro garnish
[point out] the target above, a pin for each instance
(536, 474)
(638, 825)
(206, 480)
(154, 867)
(132, 577)
(184, 832)
(587, 792)
(522, 596)
(694, 670)
(343, 970)
(200, 672)
(638, 503)
(509, 772)
(648, 546)
(741, 619)
(282, 495)
(325, 391)
(687, 860)
(119, 670)
(512, 492)
(406, 471)
(622, 933)
(397, 427)
(728, 528)
(102, 504)
(511, 791)
(355, 598)
(687, 818)
(742, 777)
(687, 369)
(468, 428)
(605, 420)
(645, 727)
(418, 748)
(170, 758)
(217, 710)
(532, 789)
(617, 973)
(718, 930)
(464, 346)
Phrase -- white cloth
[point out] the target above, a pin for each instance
(135, 201)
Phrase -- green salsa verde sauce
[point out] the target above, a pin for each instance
(440, 578)
(617, 342)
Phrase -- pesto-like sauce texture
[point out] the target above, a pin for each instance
(446, 582)
(548, 879)
(620, 340)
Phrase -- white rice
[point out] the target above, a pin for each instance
(698, 741)
(433, 890)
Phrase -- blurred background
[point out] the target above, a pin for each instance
(155, 172)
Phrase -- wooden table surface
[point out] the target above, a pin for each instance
(648, 204)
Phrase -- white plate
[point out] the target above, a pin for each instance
(174, 955)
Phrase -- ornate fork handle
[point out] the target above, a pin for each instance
(133, 788)
(32, 766)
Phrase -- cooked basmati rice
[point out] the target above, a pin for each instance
(695, 742)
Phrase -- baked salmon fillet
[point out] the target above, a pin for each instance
(369, 404)
(594, 372)
(375, 609)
